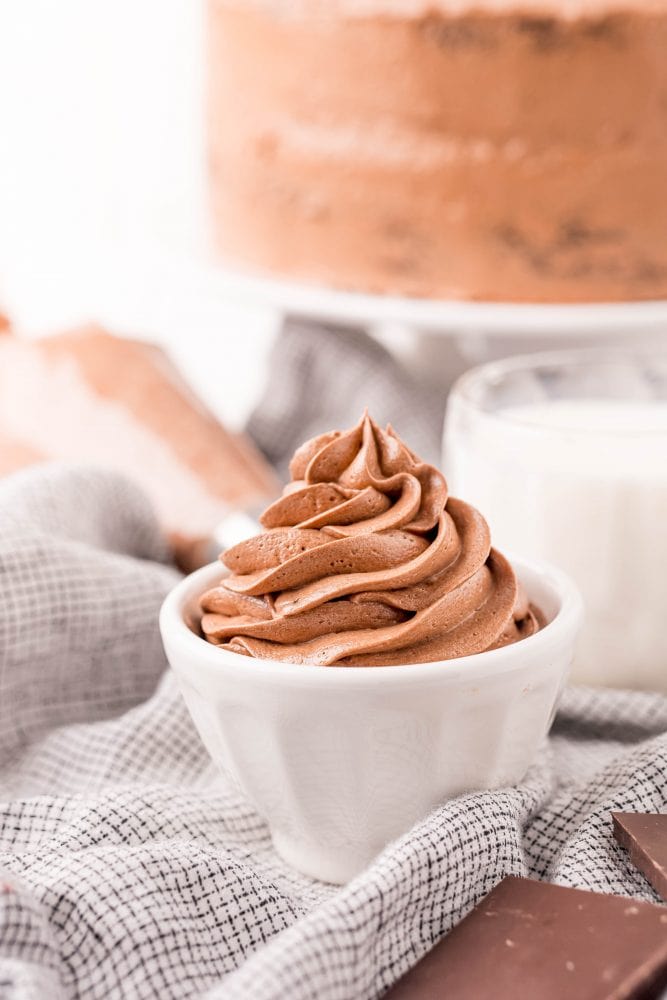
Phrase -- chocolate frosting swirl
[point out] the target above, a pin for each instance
(366, 561)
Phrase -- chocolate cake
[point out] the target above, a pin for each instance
(454, 149)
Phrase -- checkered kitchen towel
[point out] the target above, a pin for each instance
(129, 868)
(324, 376)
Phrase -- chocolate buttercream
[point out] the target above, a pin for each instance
(366, 561)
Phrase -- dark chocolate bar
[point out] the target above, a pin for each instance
(644, 837)
(531, 940)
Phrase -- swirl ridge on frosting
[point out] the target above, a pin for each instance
(366, 560)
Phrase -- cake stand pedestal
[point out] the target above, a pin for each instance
(198, 308)
(434, 336)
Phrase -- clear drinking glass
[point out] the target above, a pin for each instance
(565, 454)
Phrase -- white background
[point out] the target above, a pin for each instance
(102, 170)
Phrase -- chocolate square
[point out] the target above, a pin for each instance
(539, 941)
(644, 837)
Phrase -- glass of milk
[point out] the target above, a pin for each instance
(565, 454)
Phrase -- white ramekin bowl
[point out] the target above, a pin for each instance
(342, 760)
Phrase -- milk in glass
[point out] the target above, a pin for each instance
(579, 479)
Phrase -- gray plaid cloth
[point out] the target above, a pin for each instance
(130, 868)
(323, 376)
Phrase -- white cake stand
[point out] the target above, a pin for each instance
(433, 336)
(198, 308)
(441, 317)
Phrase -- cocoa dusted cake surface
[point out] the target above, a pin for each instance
(486, 151)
